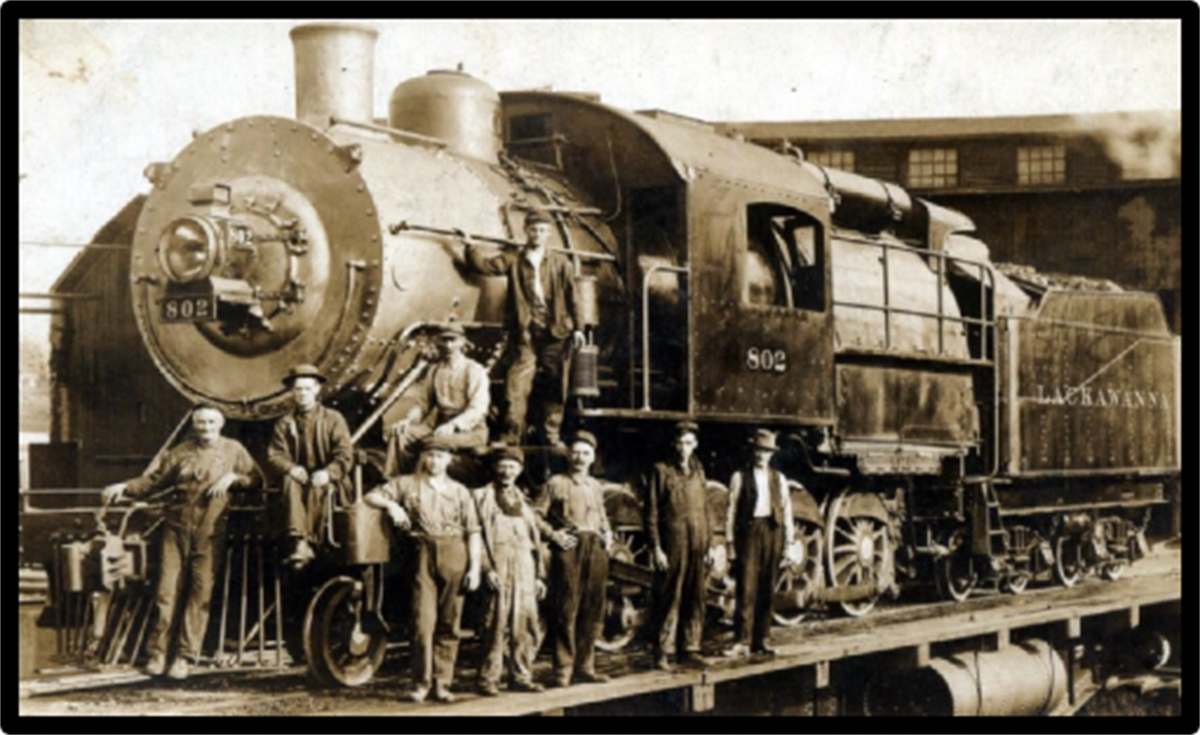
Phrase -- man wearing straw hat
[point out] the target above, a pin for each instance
(312, 452)
(759, 528)
(452, 405)
(200, 472)
(543, 319)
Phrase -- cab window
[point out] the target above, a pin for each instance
(784, 259)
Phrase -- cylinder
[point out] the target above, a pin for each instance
(1024, 680)
(335, 72)
(362, 533)
(452, 106)
(585, 372)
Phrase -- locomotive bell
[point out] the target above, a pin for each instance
(452, 106)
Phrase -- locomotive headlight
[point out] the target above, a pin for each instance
(189, 249)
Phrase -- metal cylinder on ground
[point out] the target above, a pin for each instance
(1023, 680)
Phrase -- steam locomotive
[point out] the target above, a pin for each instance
(947, 421)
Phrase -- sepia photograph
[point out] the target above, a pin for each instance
(791, 368)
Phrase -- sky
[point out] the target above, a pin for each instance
(99, 100)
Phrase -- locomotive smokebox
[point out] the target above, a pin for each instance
(335, 69)
(453, 106)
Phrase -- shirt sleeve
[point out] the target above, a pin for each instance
(478, 399)
(653, 488)
(735, 492)
(157, 477)
(488, 265)
(279, 455)
(604, 525)
(542, 507)
(245, 466)
(341, 447)
(471, 520)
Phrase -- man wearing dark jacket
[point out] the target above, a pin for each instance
(311, 450)
(543, 319)
(680, 539)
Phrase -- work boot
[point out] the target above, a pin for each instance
(157, 666)
(739, 650)
(693, 660)
(443, 694)
(488, 689)
(180, 670)
(526, 686)
(418, 695)
(662, 663)
(763, 650)
(591, 678)
(302, 556)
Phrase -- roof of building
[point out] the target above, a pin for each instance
(966, 127)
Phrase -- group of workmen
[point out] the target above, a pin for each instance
(497, 535)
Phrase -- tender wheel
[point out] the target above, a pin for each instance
(1015, 584)
(857, 553)
(798, 581)
(955, 574)
(624, 613)
(340, 651)
(1068, 561)
(1112, 571)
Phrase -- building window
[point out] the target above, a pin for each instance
(933, 168)
(1046, 164)
(841, 160)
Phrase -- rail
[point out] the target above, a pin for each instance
(650, 272)
(400, 227)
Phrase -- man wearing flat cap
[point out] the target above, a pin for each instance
(543, 318)
(759, 528)
(515, 575)
(574, 519)
(442, 523)
(452, 404)
(681, 541)
(312, 451)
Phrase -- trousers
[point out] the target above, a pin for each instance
(191, 549)
(437, 604)
(306, 508)
(538, 357)
(759, 550)
(579, 578)
(513, 622)
(680, 602)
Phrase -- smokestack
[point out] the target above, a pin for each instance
(335, 72)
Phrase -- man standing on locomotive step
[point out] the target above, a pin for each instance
(543, 319)
(574, 519)
(759, 528)
(453, 403)
(311, 450)
(201, 470)
(681, 541)
(515, 574)
(441, 517)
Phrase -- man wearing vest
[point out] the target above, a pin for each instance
(542, 315)
(759, 529)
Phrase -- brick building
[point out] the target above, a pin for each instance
(1095, 195)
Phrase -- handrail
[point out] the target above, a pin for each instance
(682, 270)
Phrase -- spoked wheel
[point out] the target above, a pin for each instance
(1016, 583)
(1112, 571)
(955, 574)
(857, 552)
(799, 579)
(1068, 561)
(625, 611)
(339, 649)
